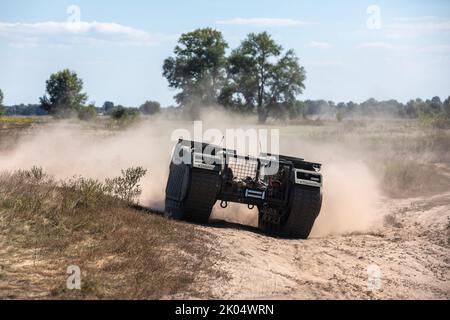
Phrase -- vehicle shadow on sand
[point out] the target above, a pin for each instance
(213, 223)
(222, 224)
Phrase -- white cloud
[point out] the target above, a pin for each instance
(262, 22)
(70, 33)
(417, 26)
(385, 46)
(319, 45)
(376, 45)
(436, 49)
(415, 19)
(327, 63)
(430, 49)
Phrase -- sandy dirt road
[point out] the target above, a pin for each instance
(410, 252)
(407, 258)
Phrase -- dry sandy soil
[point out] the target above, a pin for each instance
(367, 246)
(411, 250)
(23, 274)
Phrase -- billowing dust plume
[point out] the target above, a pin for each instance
(67, 149)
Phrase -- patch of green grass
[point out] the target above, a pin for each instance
(18, 120)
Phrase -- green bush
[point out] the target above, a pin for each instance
(87, 113)
(339, 116)
(439, 121)
(122, 114)
(28, 190)
(127, 186)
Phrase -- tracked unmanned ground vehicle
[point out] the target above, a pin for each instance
(287, 191)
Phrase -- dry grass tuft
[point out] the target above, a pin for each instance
(122, 252)
(409, 178)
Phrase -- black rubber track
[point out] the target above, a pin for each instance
(176, 190)
(201, 196)
(266, 226)
(305, 207)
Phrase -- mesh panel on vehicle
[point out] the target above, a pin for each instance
(242, 168)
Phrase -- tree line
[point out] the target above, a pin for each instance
(64, 98)
(431, 110)
(2, 108)
(258, 77)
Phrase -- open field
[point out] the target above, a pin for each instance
(386, 205)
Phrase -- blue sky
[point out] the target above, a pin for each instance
(351, 50)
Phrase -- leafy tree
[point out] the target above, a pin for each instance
(260, 77)
(411, 109)
(367, 107)
(332, 104)
(435, 105)
(314, 107)
(297, 110)
(2, 108)
(108, 106)
(26, 110)
(351, 106)
(64, 94)
(424, 109)
(150, 107)
(198, 68)
(341, 106)
(446, 108)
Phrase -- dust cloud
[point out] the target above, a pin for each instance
(350, 200)
(67, 149)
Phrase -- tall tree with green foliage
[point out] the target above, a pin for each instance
(64, 96)
(2, 108)
(446, 108)
(150, 107)
(198, 67)
(261, 77)
(108, 106)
